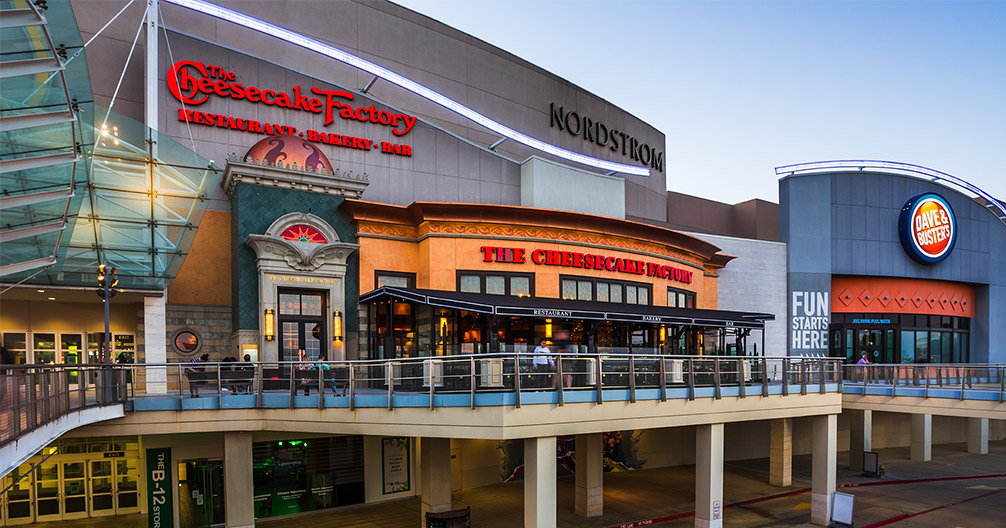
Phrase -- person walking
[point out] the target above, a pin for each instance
(861, 371)
(541, 364)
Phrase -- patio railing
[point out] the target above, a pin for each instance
(955, 380)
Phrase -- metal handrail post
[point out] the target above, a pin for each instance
(742, 385)
(260, 380)
(558, 379)
(823, 370)
(764, 377)
(293, 385)
(716, 379)
(663, 379)
(429, 379)
(691, 379)
(472, 369)
(962, 370)
(803, 376)
(632, 379)
(321, 385)
(599, 371)
(516, 380)
(1002, 383)
(220, 389)
(352, 387)
(785, 376)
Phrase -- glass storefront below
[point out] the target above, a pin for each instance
(900, 338)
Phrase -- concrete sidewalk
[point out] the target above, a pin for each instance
(633, 496)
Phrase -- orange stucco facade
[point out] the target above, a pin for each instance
(435, 247)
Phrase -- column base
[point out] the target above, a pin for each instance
(589, 502)
(820, 508)
(704, 523)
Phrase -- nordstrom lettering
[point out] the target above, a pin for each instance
(599, 133)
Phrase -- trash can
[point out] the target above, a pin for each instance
(450, 519)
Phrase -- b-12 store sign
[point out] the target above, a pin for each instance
(811, 314)
(159, 488)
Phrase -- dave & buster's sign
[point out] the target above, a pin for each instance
(194, 83)
(927, 228)
(573, 259)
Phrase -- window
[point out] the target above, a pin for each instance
(396, 279)
(680, 298)
(493, 283)
(589, 289)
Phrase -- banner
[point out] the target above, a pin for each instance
(159, 488)
(395, 455)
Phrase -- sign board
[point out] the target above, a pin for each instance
(395, 455)
(927, 228)
(842, 508)
(159, 488)
(573, 259)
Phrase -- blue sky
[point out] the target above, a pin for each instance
(739, 88)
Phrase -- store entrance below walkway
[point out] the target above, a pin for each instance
(201, 493)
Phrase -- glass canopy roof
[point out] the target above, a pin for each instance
(77, 192)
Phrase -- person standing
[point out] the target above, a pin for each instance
(304, 368)
(861, 371)
(195, 373)
(541, 364)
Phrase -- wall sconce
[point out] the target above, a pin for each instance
(270, 324)
(663, 334)
(337, 325)
(443, 328)
(548, 329)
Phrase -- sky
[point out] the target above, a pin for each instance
(739, 88)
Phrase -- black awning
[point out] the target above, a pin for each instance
(567, 309)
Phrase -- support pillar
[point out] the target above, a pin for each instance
(589, 500)
(709, 476)
(239, 482)
(435, 472)
(780, 456)
(860, 437)
(539, 482)
(155, 343)
(922, 437)
(978, 436)
(825, 445)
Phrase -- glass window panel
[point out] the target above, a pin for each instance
(14, 340)
(311, 304)
(644, 296)
(935, 347)
(947, 342)
(848, 345)
(471, 284)
(584, 291)
(289, 304)
(965, 351)
(291, 338)
(630, 294)
(520, 286)
(672, 299)
(957, 348)
(396, 282)
(568, 289)
(603, 292)
(44, 341)
(496, 285)
(907, 346)
(616, 293)
(921, 346)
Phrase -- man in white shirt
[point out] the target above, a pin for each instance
(541, 364)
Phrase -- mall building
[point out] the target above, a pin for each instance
(366, 183)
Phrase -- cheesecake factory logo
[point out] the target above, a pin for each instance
(194, 83)
(928, 228)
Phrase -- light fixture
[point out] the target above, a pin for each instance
(443, 328)
(663, 334)
(337, 325)
(548, 328)
(403, 82)
(52, 298)
(270, 324)
(40, 291)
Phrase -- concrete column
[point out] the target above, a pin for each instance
(922, 437)
(709, 476)
(539, 482)
(155, 342)
(589, 475)
(780, 455)
(239, 483)
(435, 471)
(860, 437)
(825, 445)
(978, 436)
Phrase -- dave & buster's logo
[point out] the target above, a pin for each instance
(928, 228)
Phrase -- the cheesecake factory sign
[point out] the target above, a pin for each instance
(194, 83)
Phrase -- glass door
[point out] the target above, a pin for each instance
(302, 325)
(17, 502)
(47, 492)
(102, 500)
(72, 348)
(74, 490)
(200, 493)
(126, 493)
(43, 348)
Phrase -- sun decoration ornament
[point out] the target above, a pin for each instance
(303, 233)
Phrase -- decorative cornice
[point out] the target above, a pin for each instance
(260, 172)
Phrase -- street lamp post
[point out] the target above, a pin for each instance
(107, 281)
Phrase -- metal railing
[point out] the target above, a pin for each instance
(478, 380)
(963, 381)
(32, 396)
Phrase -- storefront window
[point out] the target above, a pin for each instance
(471, 284)
(922, 347)
(496, 285)
(907, 346)
(520, 286)
(294, 476)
